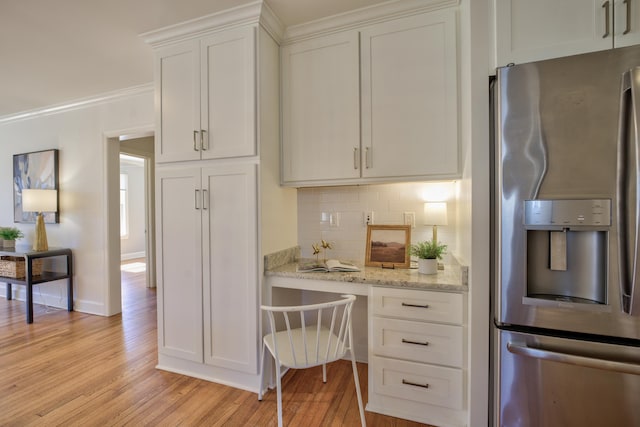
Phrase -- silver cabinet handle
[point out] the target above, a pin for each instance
(195, 139)
(197, 199)
(367, 155)
(606, 7)
(406, 304)
(205, 199)
(573, 359)
(406, 341)
(356, 159)
(203, 140)
(406, 382)
(628, 23)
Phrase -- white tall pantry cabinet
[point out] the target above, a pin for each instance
(217, 82)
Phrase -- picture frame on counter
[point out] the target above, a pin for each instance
(388, 246)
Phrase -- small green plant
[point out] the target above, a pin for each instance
(10, 233)
(428, 250)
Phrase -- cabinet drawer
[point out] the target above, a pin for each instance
(417, 382)
(420, 342)
(417, 305)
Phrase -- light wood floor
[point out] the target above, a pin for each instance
(75, 369)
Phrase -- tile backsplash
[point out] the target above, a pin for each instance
(337, 215)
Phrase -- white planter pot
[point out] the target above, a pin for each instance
(427, 266)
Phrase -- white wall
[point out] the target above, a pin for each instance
(278, 214)
(79, 134)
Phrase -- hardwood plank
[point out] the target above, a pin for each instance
(75, 369)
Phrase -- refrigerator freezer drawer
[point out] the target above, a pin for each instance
(548, 381)
(418, 382)
(417, 341)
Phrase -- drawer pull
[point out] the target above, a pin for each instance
(406, 341)
(414, 384)
(406, 304)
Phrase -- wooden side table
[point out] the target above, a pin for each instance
(47, 276)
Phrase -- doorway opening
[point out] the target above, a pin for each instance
(130, 212)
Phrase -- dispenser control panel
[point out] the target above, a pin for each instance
(590, 212)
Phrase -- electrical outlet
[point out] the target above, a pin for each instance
(410, 219)
(367, 218)
(334, 219)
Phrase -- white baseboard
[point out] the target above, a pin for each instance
(53, 296)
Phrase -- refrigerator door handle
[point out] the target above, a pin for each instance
(572, 359)
(628, 168)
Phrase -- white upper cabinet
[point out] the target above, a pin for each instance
(375, 103)
(321, 108)
(534, 30)
(205, 102)
(626, 19)
(177, 88)
(228, 94)
(409, 97)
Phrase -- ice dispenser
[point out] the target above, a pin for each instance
(567, 249)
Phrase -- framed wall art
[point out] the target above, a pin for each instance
(36, 170)
(388, 246)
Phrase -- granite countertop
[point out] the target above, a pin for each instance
(452, 278)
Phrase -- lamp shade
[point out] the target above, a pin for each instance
(435, 213)
(38, 200)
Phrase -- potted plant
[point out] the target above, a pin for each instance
(9, 236)
(428, 253)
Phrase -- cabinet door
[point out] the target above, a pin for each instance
(321, 112)
(177, 81)
(627, 23)
(178, 207)
(533, 30)
(228, 112)
(231, 267)
(409, 97)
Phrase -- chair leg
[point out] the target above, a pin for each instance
(279, 393)
(262, 368)
(357, 381)
(324, 372)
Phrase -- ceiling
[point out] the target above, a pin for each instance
(53, 52)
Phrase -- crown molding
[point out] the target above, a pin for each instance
(271, 23)
(241, 15)
(364, 16)
(80, 103)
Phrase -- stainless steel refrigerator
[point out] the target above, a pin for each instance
(566, 241)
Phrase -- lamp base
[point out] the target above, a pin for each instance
(40, 239)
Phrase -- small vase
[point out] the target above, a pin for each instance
(427, 266)
(9, 244)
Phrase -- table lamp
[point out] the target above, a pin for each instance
(40, 201)
(435, 213)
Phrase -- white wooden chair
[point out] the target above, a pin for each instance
(323, 336)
